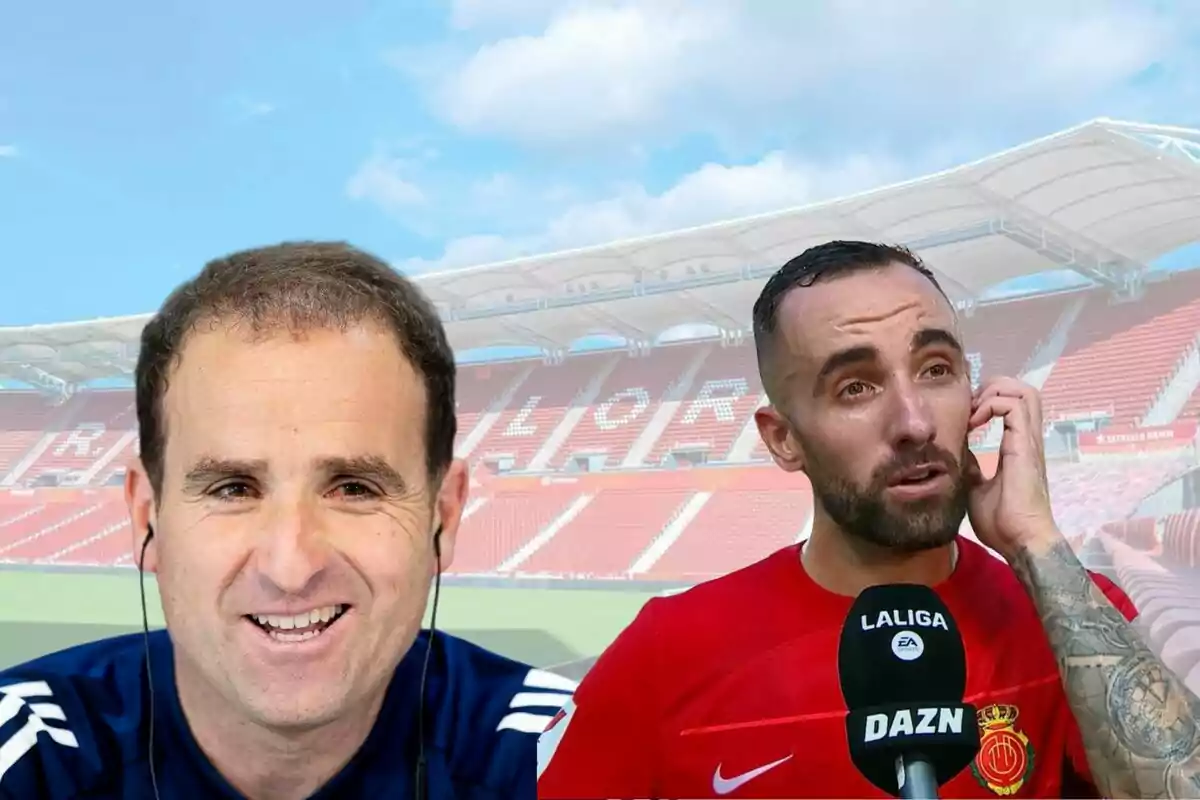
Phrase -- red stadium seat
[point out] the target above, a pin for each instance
(1119, 356)
(683, 405)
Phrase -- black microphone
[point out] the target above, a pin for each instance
(903, 672)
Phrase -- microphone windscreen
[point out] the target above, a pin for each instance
(903, 673)
(899, 644)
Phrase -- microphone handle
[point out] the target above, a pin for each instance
(917, 778)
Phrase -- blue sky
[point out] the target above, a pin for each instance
(133, 149)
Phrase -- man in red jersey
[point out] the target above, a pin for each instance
(731, 688)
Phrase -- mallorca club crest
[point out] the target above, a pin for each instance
(1005, 759)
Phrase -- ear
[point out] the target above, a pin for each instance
(139, 498)
(776, 433)
(451, 500)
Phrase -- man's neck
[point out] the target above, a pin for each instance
(264, 763)
(841, 564)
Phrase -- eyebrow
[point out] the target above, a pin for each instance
(371, 467)
(861, 354)
(208, 470)
(374, 468)
(931, 336)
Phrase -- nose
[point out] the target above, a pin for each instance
(912, 417)
(291, 553)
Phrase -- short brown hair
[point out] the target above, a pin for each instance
(298, 286)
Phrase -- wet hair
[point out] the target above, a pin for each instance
(822, 262)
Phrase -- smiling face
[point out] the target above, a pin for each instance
(873, 400)
(293, 535)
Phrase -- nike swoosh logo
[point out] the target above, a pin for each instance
(727, 785)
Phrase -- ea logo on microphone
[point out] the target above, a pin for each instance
(907, 646)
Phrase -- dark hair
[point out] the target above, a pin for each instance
(822, 262)
(298, 286)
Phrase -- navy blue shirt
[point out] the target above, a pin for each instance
(75, 724)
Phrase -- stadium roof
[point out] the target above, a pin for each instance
(1104, 198)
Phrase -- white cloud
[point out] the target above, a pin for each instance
(604, 69)
(470, 250)
(411, 181)
(908, 87)
(9, 151)
(382, 180)
(593, 68)
(711, 193)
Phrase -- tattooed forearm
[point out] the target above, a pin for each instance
(1140, 724)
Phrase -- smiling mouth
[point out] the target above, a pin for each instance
(294, 628)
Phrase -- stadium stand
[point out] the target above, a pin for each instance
(1010, 348)
(498, 527)
(1192, 408)
(1088, 495)
(522, 434)
(642, 462)
(608, 429)
(680, 407)
(1167, 595)
(27, 417)
(734, 528)
(665, 412)
(1119, 358)
(720, 398)
(1181, 538)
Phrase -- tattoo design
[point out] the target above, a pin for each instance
(1140, 724)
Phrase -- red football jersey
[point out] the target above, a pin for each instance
(731, 690)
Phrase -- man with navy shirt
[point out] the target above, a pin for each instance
(295, 496)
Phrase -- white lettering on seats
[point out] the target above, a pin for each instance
(518, 427)
(731, 390)
(641, 401)
(82, 439)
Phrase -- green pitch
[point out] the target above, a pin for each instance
(45, 611)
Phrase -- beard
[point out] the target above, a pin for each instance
(864, 512)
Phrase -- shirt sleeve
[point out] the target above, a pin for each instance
(604, 741)
(1076, 754)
